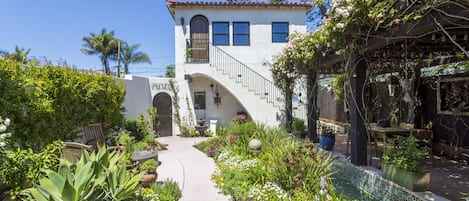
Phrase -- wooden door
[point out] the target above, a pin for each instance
(199, 38)
(164, 118)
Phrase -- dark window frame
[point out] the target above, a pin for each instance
(201, 105)
(227, 34)
(242, 34)
(274, 32)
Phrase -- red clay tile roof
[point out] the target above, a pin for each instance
(225, 3)
(172, 4)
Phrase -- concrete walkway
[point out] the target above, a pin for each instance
(189, 167)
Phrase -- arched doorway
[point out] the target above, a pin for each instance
(199, 38)
(162, 102)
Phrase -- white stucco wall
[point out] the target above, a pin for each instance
(141, 90)
(257, 56)
(261, 48)
(138, 98)
(225, 112)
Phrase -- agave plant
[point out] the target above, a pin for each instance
(95, 177)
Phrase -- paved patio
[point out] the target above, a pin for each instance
(448, 177)
(189, 167)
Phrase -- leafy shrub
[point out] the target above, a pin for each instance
(48, 103)
(168, 191)
(284, 170)
(149, 165)
(131, 126)
(298, 125)
(21, 168)
(143, 127)
(405, 153)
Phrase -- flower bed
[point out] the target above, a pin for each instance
(282, 170)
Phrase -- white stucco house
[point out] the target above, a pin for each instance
(222, 56)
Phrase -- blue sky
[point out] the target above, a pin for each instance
(55, 29)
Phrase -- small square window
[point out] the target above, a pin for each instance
(240, 33)
(220, 33)
(199, 100)
(280, 32)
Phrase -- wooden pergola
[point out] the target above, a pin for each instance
(441, 36)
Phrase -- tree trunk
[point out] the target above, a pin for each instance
(312, 107)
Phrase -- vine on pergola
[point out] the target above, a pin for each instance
(345, 22)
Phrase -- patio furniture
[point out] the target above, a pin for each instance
(73, 150)
(404, 129)
(94, 136)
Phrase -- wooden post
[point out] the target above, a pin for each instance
(358, 137)
(312, 107)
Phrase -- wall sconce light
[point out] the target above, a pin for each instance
(217, 97)
(392, 81)
(188, 77)
(182, 20)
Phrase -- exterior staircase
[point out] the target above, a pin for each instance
(245, 77)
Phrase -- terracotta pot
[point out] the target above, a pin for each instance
(148, 179)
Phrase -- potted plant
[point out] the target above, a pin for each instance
(401, 163)
(327, 137)
(298, 127)
(149, 169)
(189, 54)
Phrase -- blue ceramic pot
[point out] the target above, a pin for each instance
(327, 142)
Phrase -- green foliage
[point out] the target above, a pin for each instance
(203, 146)
(95, 177)
(340, 87)
(168, 191)
(50, 102)
(130, 55)
(284, 170)
(149, 139)
(143, 126)
(127, 141)
(170, 71)
(131, 126)
(405, 153)
(104, 45)
(153, 113)
(20, 168)
(149, 165)
(298, 125)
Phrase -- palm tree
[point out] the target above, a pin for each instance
(170, 71)
(129, 55)
(103, 44)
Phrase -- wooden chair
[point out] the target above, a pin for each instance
(94, 137)
(93, 134)
(73, 150)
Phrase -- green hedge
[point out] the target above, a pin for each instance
(51, 102)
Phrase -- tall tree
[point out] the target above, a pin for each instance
(129, 55)
(103, 44)
(170, 71)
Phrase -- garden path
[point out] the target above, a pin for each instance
(189, 167)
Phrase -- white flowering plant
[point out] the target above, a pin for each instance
(4, 136)
(268, 191)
